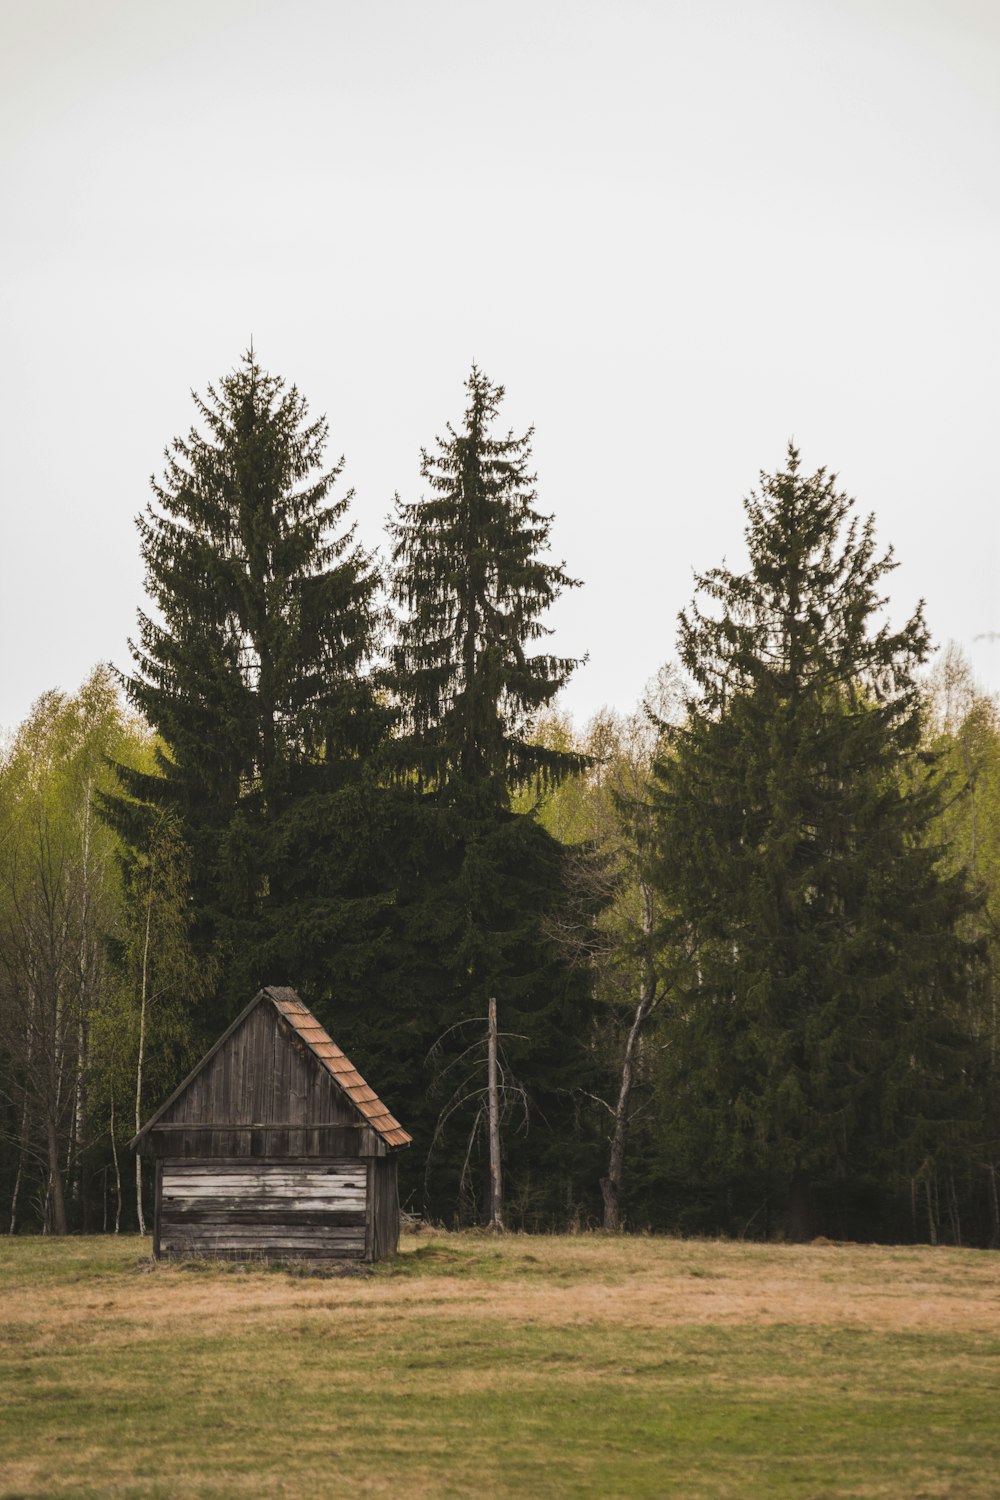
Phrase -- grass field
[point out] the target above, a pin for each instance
(584, 1366)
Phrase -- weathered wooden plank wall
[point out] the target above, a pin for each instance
(276, 1209)
(261, 1095)
(384, 1208)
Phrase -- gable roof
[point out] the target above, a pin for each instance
(323, 1048)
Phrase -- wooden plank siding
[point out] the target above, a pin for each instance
(384, 1191)
(274, 1209)
(261, 1095)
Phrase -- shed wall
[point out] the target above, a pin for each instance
(385, 1207)
(279, 1209)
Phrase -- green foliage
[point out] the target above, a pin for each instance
(756, 942)
(60, 898)
(817, 1058)
(155, 986)
(605, 814)
(477, 881)
(253, 673)
(472, 580)
(964, 734)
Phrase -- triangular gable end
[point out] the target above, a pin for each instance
(339, 1067)
(297, 1023)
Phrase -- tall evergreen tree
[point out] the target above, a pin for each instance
(473, 582)
(253, 669)
(815, 1063)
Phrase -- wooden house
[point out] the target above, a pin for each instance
(274, 1146)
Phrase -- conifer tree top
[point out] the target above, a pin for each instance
(471, 577)
(809, 608)
(264, 600)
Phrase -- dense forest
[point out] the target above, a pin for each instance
(741, 944)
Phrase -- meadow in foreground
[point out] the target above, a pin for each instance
(564, 1366)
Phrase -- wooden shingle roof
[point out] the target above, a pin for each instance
(323, 1048)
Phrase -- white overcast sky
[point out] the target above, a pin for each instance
(678, 232)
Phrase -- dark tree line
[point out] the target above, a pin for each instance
(348, 811)
(739, 952)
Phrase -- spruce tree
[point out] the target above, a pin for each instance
(472, 582)
(814, 1062)
(253, 670)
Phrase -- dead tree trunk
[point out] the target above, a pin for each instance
(611, 1185)
(493, 1095)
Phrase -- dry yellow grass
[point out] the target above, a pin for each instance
(641, 1282)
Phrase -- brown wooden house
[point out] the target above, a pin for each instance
(274, 1146)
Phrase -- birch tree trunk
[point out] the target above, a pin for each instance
(118, 1173)
(23, 1134)
(649, 995)
(78, 1124)
(493, 1095)
(56, 1094)
(22, 1144)
(143, 996)
(931, 1220)
(611, 1185)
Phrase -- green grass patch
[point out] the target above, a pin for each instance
(479, 1257)
(564, 1367)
